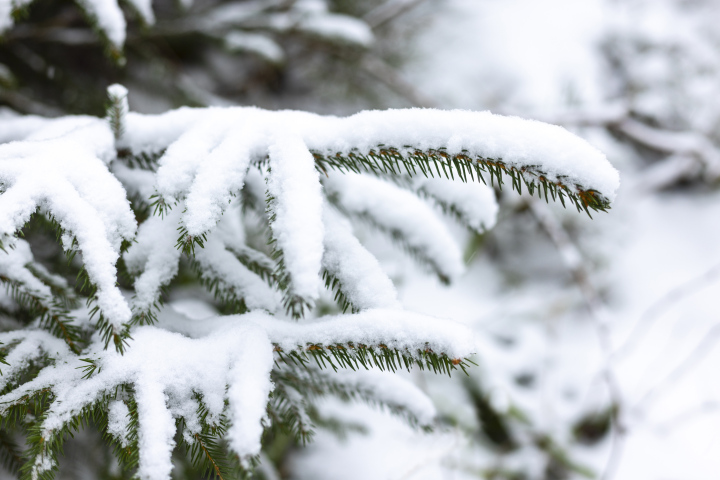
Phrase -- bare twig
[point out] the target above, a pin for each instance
(389, 11)
(654, 312)
(572, 258)
(698, 353)
(704, 408)
(387, 75)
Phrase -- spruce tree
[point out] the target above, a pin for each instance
(188, 284)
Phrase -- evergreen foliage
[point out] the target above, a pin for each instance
(250, 213)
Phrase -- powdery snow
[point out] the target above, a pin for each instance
(61, 167)
(402, 213)
(297, 228)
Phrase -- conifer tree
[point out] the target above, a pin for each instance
(112, 227)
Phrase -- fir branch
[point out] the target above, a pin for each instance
(51, 314)
(10, 454)
(355, 356)
(225, 294)
(295, 305)
(333, 284)
(289, 413)
(408, 160)
(117, 109)
(140, 160)
(398, 237)
(312, 383)
(451, 210)
(258, 263)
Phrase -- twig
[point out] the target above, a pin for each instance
(705, 345)
(655, 310)
(386, 74)
(704, 408)
(572, 258)
(389, 11)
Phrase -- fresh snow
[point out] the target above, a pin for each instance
(208, 160)
(62, 167)
(297, 228)
(402, 213)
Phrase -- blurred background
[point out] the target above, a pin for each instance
(600, 336)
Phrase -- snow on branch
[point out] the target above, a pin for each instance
(389, 339)
(62, 169)
(166, 383)
(258, 208)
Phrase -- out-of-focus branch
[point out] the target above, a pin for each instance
(680, 419)
(672, 297)
(573, 260)
(389, 11)
(680, 146)
(706, 344)
(387, 75)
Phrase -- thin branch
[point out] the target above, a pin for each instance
(389, 11)
(705, 346)
(655, 311)
(618, 118)
(572, 258)
(387, 75)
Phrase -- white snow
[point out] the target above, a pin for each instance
(154, 258)
(474, 202)
(297, 206)
(162, 377)
(62, 168)
(361, 277)
(398, 210)
(406, 331)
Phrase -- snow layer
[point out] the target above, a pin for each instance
(515, 141)
(362, 280)
(61, 168)
(406, 331)
(402, 213)
(297, 226)
(165, 380)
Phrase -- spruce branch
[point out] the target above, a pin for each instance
(356, 356)
(117, 109)
(437, 162)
